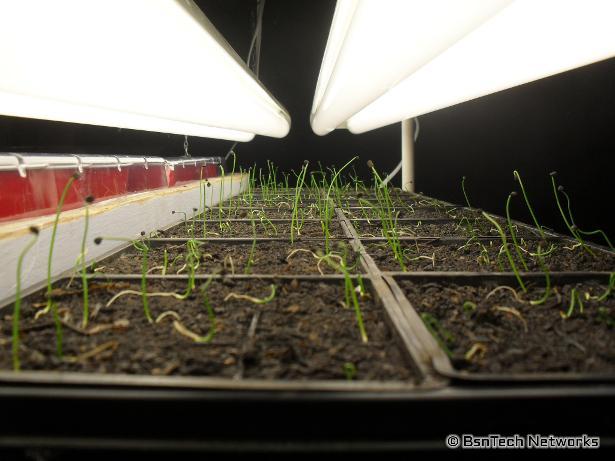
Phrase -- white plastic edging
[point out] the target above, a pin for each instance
(121, 217)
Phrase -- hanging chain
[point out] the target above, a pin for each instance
(186, 145)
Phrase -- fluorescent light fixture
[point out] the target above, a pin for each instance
(390, 60)
(156, 65)
(32, 107)
(375, 44)
(527, 41)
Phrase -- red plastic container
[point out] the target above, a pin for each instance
(186, 170)
(31, 185)
(147, 173)
(104, 177)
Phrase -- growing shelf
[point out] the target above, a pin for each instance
(248, 301)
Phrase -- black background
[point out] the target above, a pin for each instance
(563, 123)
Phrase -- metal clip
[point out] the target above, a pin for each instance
(119, 164)
(21, 168)
(79, 163)
(146, 164)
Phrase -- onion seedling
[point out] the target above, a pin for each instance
(230, 203)
(185, 217)
(211, 315)
(328, 212)
(84, 279)
(441, 335)
(51, 305)
(469, 307)
(350, 370)
(609, 290)
(575, 301)
(463, 188)
(512, 231)
(527, 202)
(505, 247)
(300, 180)
(539, 256)
(220, 201)
(349, 290)
(252, 221)
(252, 299)
(17, 306)
(165, 261)
(594, 232)
(142, 247)
(604, 317)
(385, 213)
(571, 227)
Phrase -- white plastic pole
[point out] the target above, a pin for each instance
(407, 155)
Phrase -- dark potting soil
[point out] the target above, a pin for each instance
(451, 257)
(268, 258)
(426, 229)
(414, 212)
(244, 229)
(308, 212)
(505, 335)
(303, 334)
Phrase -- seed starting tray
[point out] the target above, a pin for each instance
(437, 386)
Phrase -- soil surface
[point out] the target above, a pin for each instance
(451, 257)
(308, 212)
(268, 258)
(244, 229)
(440, 229)
(303, 334)
(415, 212)
(505, 335)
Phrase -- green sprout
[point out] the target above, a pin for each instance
(571, 227)
(252, 299)
(505, 248)
(230, 203)
(605, 317)
(441, 334)
(463, 188)
(387, 219)
(349, 289)
(185, 217)
(594, 232)
(220, 196)
(142, 247)
(252, 221)
(17, 306)
(84, 279)
(300, 180)
(328, 214)
(527, 202)
(211, 315)
(51, 305)
(511, 229)
(165, 261)
(469, 307)
(575, 301)
(544, 268)
(350, 370)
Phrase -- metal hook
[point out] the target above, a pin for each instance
(79, 163)
(21, 168)
(119, 164)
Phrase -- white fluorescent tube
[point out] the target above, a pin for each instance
(159, 61)
(375, 44)
(26, 106)
(527, 41)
